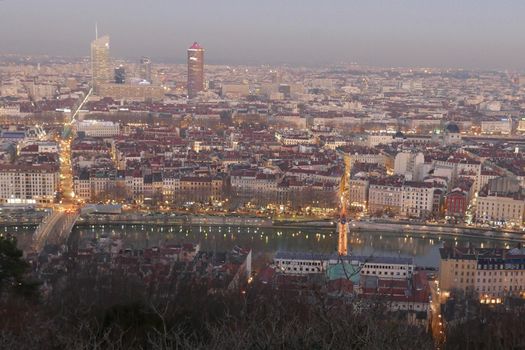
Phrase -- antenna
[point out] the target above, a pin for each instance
(96, 30)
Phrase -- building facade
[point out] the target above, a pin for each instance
(456, 202)
(502, 126)
(100, 62)
(145, 69)
(489, 272)
(195, 70)
(389, 268)
(97, 128)
(500, 210)
(29, 183)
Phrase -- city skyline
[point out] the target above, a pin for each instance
(239, 174)
(467, 35)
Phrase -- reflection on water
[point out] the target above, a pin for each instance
(424, 248)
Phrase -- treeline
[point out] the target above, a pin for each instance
(195, 319)
(86, 308)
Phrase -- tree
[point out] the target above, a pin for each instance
(13, 269)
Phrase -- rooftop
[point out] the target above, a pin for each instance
(334, 256)
(196, 46)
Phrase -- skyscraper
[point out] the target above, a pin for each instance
(195, 70)
(120, 75)
(145, 69)
(100, 67)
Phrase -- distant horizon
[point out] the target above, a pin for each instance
(178, 61)
(467, 34)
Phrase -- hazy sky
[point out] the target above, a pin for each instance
(453, 33)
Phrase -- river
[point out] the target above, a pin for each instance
(265, 241)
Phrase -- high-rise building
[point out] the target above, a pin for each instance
(145, 69)
(120, 75)
(100, 68)
(195, 70)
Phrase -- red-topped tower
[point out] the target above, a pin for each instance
(195, 70)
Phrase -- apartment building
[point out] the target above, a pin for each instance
(251, 180)
(358, 192)
(203, 185)
(490, 272)
(38, 182)
(417, 199)
(409, 164)
(411, 199)
(500, 209)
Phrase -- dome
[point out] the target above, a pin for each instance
(452, 128)
(399, 135)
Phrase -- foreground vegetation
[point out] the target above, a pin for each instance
(84, 313)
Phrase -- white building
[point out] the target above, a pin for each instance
(11, 110)
(501, 126)
(373, 140)
(411, 199)
(358, 192)
(500, 210)
(409, 165)
(417, 199)
(387, 267)
(47, 147)
(31, 183)
(82, 187)
(292, 139)
(334, 143)
(250, 180)
(384, 197)
(301, 263)
(369, 158)
(97, 128)
(298, 263)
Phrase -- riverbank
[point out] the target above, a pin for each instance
(438, 230)
(28, 223)
(325, 226)
(319, 225)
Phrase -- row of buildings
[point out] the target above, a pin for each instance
(29, 166)
(401, 176)
(491, 273)
(395, 281)
(458, 180)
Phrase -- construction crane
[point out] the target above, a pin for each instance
(342, 225)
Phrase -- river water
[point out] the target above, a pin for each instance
(265, 241)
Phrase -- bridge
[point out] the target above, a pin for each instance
(55, 229)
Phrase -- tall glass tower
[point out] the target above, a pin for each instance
(145, 69)
(100, 65)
